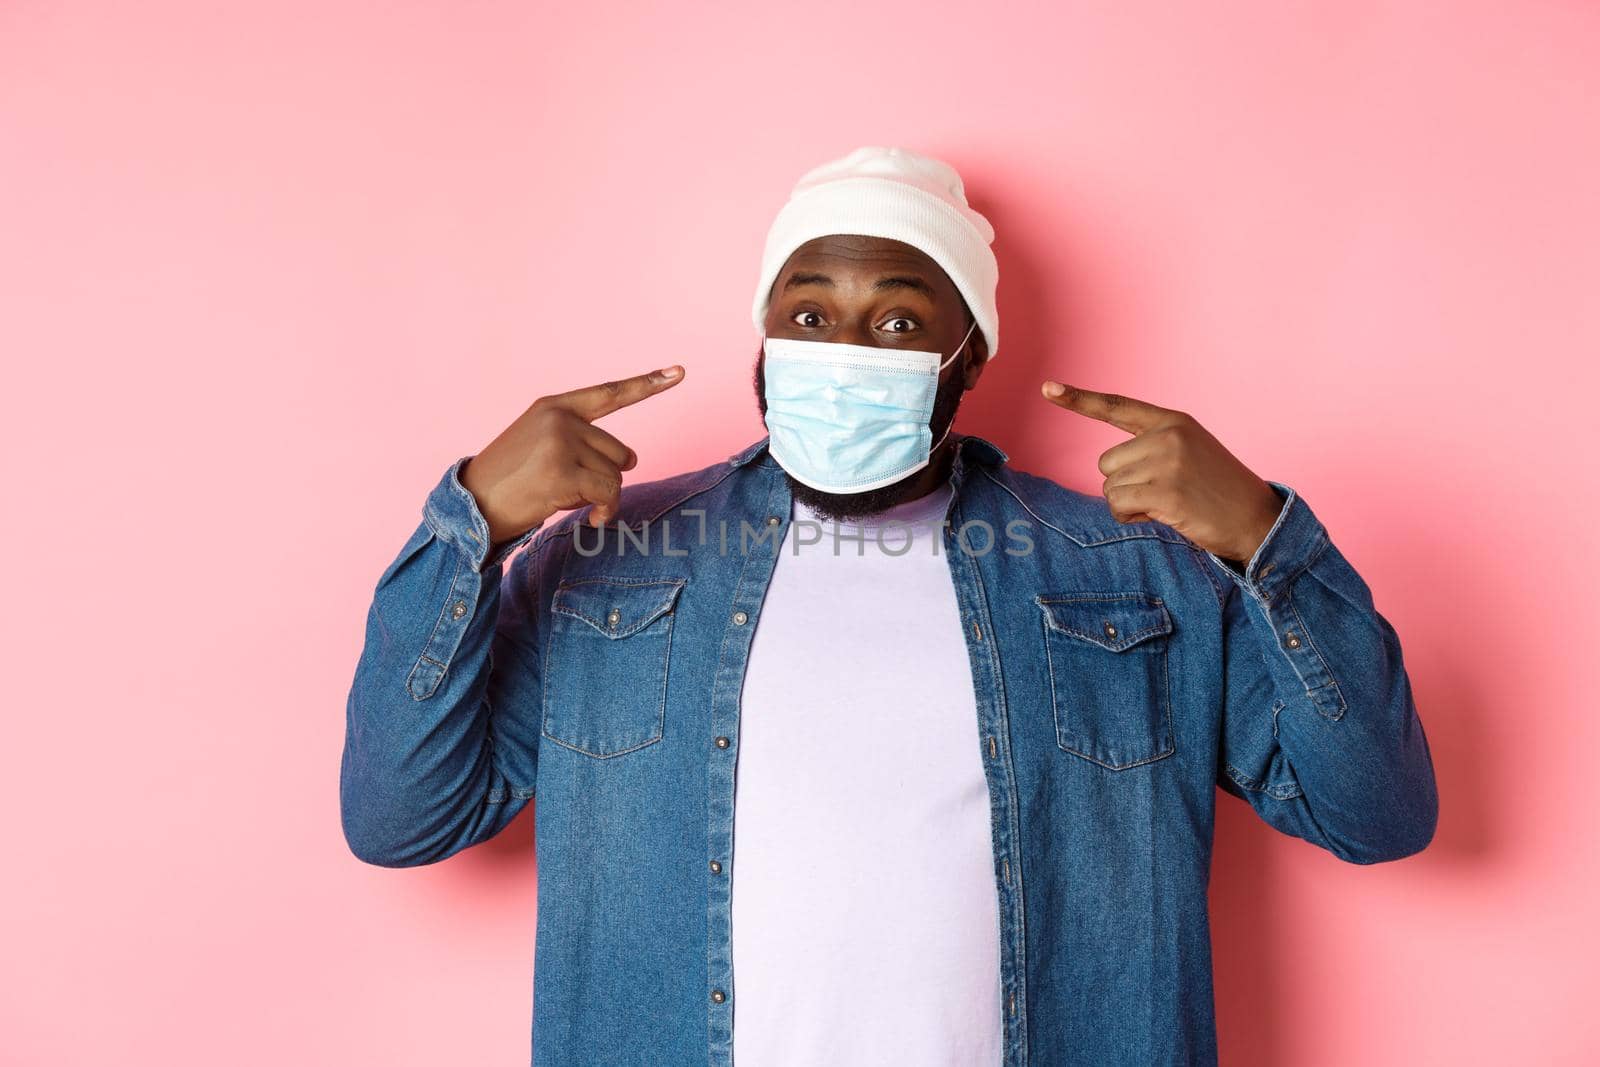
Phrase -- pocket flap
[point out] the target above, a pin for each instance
(617, 607)
(1114, 621)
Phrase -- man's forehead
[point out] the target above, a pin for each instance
(851, 255)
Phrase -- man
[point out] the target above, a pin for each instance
(862, 746)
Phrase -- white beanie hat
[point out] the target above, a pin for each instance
(896, 194)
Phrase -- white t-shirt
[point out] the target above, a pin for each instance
(865, 915)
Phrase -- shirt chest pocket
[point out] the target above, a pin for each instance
(606, 660)
(1107, 658)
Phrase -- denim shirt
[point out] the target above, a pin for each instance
(1122, 675)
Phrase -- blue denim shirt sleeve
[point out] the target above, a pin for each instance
(1320, 732)
(441, 725)
(451, 512)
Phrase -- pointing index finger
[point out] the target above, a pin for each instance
(593, 401)
(1123, 412)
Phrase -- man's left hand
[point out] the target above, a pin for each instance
(1173, 471)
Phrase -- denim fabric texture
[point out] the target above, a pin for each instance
(1122, 675)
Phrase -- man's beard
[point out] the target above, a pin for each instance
(848, 506)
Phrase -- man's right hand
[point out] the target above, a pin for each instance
(553, 458)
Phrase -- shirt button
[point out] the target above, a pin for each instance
(458, 609)
(1111, 631)
(773, 520)
(740, 618)
(1293, 641)
(615, 617)
(716, 868)
(722, 742)
(718, 996)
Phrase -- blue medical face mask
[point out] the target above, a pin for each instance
(845, 418)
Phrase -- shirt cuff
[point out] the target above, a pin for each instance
(451, 512)
(1293, 543)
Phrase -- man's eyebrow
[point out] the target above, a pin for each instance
(800, 278)
(906, 281)
(890, 281)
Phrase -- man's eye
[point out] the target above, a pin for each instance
(911, 324)
(813, 314)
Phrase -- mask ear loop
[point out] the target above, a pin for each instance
(959, 347)
(942, 366)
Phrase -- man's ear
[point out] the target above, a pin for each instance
(979, 358)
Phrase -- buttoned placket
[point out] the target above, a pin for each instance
(993, 730)
(757, 546)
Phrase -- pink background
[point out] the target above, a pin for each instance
(264, 273)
